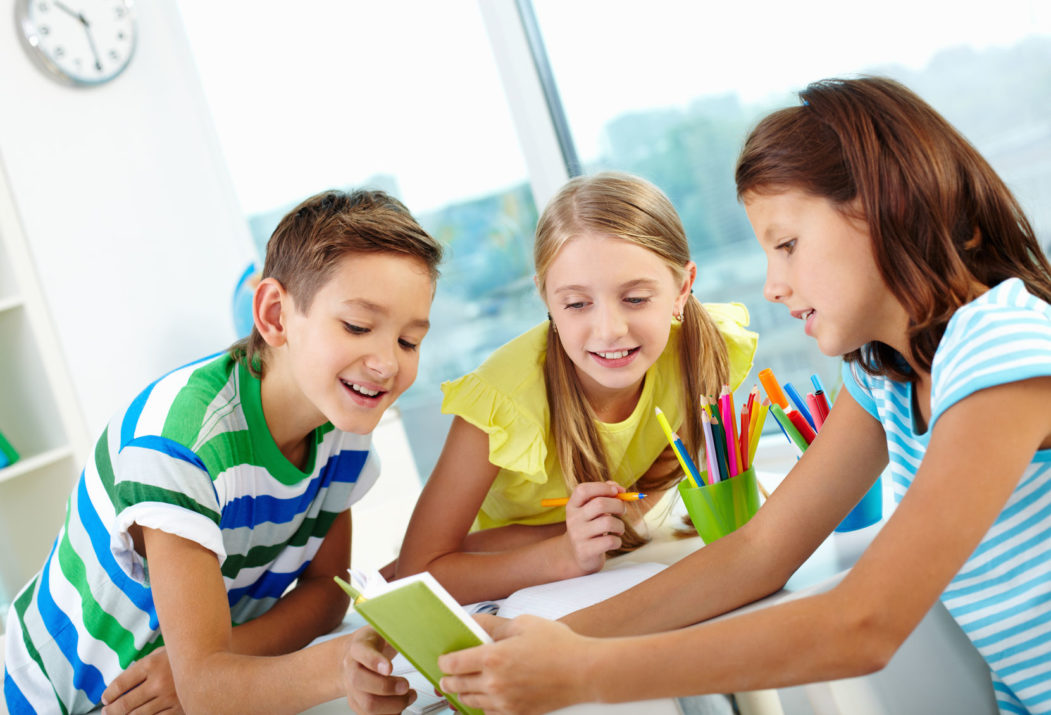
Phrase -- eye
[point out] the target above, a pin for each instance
(788, 246)
(354, 329)
(575, 306)
(636, 300)
(410, 346)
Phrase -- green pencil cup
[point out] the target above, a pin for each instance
(720, 508)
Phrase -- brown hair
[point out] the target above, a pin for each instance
(307, 244)
(628, 208)
(941, 221)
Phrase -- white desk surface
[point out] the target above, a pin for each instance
(964, 679)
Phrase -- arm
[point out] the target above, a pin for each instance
(438, 531)
(210, 676)
(758, 558)
(313, 607)
(978, 451)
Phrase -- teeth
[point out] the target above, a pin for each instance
(807, 314)
(362, 390)
(614, 355)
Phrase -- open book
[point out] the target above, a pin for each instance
(419, 617)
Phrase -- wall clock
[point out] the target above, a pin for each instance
(78, 42)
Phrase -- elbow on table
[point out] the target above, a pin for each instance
(871, 638)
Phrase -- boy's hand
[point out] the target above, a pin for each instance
(508, 677)
(371, 689)
(592, 526)
(146, 687)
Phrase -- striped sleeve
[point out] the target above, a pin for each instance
(1001, 338)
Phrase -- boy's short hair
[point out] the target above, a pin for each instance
(309, 241)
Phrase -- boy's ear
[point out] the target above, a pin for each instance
(268, 308)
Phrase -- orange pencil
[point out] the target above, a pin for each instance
(623, 496)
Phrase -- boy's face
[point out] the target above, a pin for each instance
(357, 348)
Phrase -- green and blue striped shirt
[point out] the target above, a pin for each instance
(192, 456)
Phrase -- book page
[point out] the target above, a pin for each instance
(556, 599)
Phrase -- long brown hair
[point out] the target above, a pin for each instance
(631, 209)
(941, 221)
(307, 244)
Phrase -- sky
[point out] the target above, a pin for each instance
(323, 93)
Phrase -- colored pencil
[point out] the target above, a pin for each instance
(623, 496)
(688, 467)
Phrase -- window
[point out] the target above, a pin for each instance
(397, 96)
(670, 91)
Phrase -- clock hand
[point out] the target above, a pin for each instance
(91, 41)
(66, 10)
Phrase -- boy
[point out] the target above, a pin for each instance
(230, 479)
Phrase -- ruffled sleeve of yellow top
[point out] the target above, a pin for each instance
(506, 398)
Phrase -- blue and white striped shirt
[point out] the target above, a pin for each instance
(1002, 596)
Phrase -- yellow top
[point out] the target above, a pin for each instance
(506, 398)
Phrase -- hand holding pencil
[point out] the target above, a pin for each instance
(593, 524)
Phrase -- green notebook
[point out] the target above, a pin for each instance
(419, 618)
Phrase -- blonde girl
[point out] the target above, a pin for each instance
(567, 409)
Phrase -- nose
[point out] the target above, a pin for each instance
(610, 323)
(775, 289)
(382, 361)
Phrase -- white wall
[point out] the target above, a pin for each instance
(128, 209)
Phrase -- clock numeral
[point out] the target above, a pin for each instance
(44, 30)
(43, 7)
(60, 51)
(121, 35)
(113, 55)
(119, 12)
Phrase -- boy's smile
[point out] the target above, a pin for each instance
(612, 302)
(354, 352)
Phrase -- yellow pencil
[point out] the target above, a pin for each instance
(688, 467)
(623, 496)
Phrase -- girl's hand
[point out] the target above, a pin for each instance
(367, 679)
(592, 526)
(508, 677)
(147, 686)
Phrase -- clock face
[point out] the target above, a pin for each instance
(83, 42)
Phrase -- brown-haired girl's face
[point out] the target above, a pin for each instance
(820, 265)
(612, 302)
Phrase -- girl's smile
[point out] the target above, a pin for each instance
(612, 302)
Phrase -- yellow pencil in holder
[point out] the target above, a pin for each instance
(720, 508)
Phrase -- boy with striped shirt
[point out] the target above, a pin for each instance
(197, 555)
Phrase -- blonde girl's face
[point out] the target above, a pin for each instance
(612, 302)
(820, 265)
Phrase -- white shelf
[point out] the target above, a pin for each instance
(27, 465)
(10, 303)
(38, 414)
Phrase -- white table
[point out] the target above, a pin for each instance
(937, 670)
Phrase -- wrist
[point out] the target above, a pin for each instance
(566, 564)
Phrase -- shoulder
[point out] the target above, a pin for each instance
(731, 320)
(506, 398)
(1002, 336)
(177, 405)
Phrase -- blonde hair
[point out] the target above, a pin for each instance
(631, 209)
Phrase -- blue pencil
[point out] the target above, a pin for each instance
(816, 381)
(800, 404)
